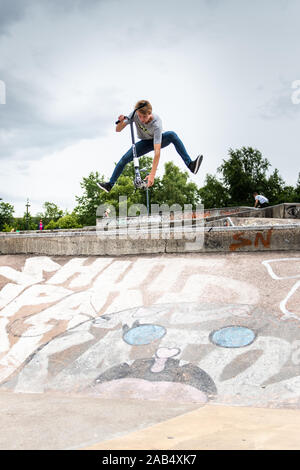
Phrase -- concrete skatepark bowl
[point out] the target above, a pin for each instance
(156, 329)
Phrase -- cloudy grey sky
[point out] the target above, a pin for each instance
(218, 72)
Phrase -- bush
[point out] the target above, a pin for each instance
(7, 228)
(68, 221)
(51, 226)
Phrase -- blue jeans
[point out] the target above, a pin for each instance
(145, 146)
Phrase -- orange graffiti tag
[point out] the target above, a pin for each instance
(246, 242)
(242, 242)
(266, 242)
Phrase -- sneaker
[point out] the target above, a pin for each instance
(105, 186)
(195, 165)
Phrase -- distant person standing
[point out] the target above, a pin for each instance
(260, 200)
(41, 225)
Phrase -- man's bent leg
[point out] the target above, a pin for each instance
(171, 137)
(142, 147)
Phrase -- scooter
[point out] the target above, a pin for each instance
(139, 183)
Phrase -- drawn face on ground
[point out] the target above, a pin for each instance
(176, 352)
(181, 328)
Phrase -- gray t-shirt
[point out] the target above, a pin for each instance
(152, 130)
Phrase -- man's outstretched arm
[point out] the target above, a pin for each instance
(151, 176)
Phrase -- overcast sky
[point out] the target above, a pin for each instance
(218, 72)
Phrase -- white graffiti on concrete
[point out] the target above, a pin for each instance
(281, 264)
(44, 298)
(62, 326)
(246, 372)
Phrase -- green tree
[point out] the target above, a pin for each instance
(214, 193)
(244, 172)
(92, 196)
(287, 195)
(52, 225)
(68, 221)
(27, 222)
(7, 228)
(174, 188)
(65, 222)
(51, 212)
(278, 192)
(275, 188)
(6, 214)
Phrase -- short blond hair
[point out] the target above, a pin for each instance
(147, 109)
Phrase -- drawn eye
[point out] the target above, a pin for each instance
(233, 337)
(144, 334)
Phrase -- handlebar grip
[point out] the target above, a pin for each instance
(118, 121)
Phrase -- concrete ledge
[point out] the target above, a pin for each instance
(213, 239)
(232, 229)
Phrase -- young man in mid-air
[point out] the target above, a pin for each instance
(149, 130)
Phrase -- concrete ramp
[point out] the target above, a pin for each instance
(183, 329)
(153, 336)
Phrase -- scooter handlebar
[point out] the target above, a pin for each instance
(136, 109)
(118, 121)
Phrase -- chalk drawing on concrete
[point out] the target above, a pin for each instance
(233, 337)
(151, 371)
(63, 327)
(283, 303)
(161, 357)
(140, 389)
(182, 365)
(44, 298)
(142, 334)
(283, 265)
(281, 261)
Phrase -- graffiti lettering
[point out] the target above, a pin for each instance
(246, 242)
(242, 242)
(266, 242)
